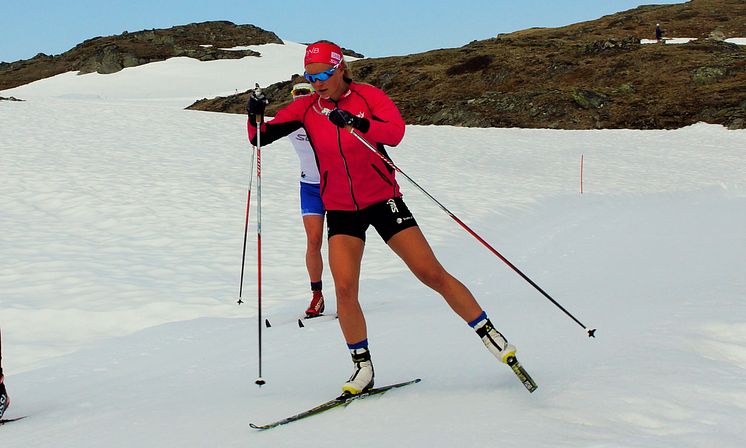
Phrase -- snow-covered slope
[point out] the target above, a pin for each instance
(176, 81)
(122, 221)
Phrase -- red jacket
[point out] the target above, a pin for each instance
(352, 176)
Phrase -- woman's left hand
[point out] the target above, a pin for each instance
(343, 118)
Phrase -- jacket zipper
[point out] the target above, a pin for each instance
(347, 170)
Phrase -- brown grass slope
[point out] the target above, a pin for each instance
(585, 76)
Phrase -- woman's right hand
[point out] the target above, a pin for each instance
(257, 103)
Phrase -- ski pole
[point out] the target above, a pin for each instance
(1, 357)
(246, 226)
(259, 119)
(4, 400)
(591, 332)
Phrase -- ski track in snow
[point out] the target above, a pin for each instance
(122, 226)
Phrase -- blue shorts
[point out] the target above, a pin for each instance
(310, 200)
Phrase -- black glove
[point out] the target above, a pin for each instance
(342, 118)
(257, 102)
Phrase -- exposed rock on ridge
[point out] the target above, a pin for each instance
(204, 41)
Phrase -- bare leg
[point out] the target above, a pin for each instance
(412, 247)
(345, 255)
(314, 225)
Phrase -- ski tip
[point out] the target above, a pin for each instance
(9, 420)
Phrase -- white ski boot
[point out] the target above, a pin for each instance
(495, 341)
(362, 378)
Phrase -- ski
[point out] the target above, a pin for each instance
(319, 318)
(521, 373)
(8, 420)
(330, 316)
(299, 320)
(341, 401)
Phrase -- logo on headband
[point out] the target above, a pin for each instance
(324, 53)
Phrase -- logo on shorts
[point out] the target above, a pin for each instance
(392, 204)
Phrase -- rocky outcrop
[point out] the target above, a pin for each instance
(609, 45)
(205, 41)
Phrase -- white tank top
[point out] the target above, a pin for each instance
(309, 171)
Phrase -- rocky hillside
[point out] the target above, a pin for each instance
(589, 75)
(203, 41)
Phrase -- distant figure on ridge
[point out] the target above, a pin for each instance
(658, 33)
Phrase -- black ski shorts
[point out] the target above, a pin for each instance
(387, 217)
